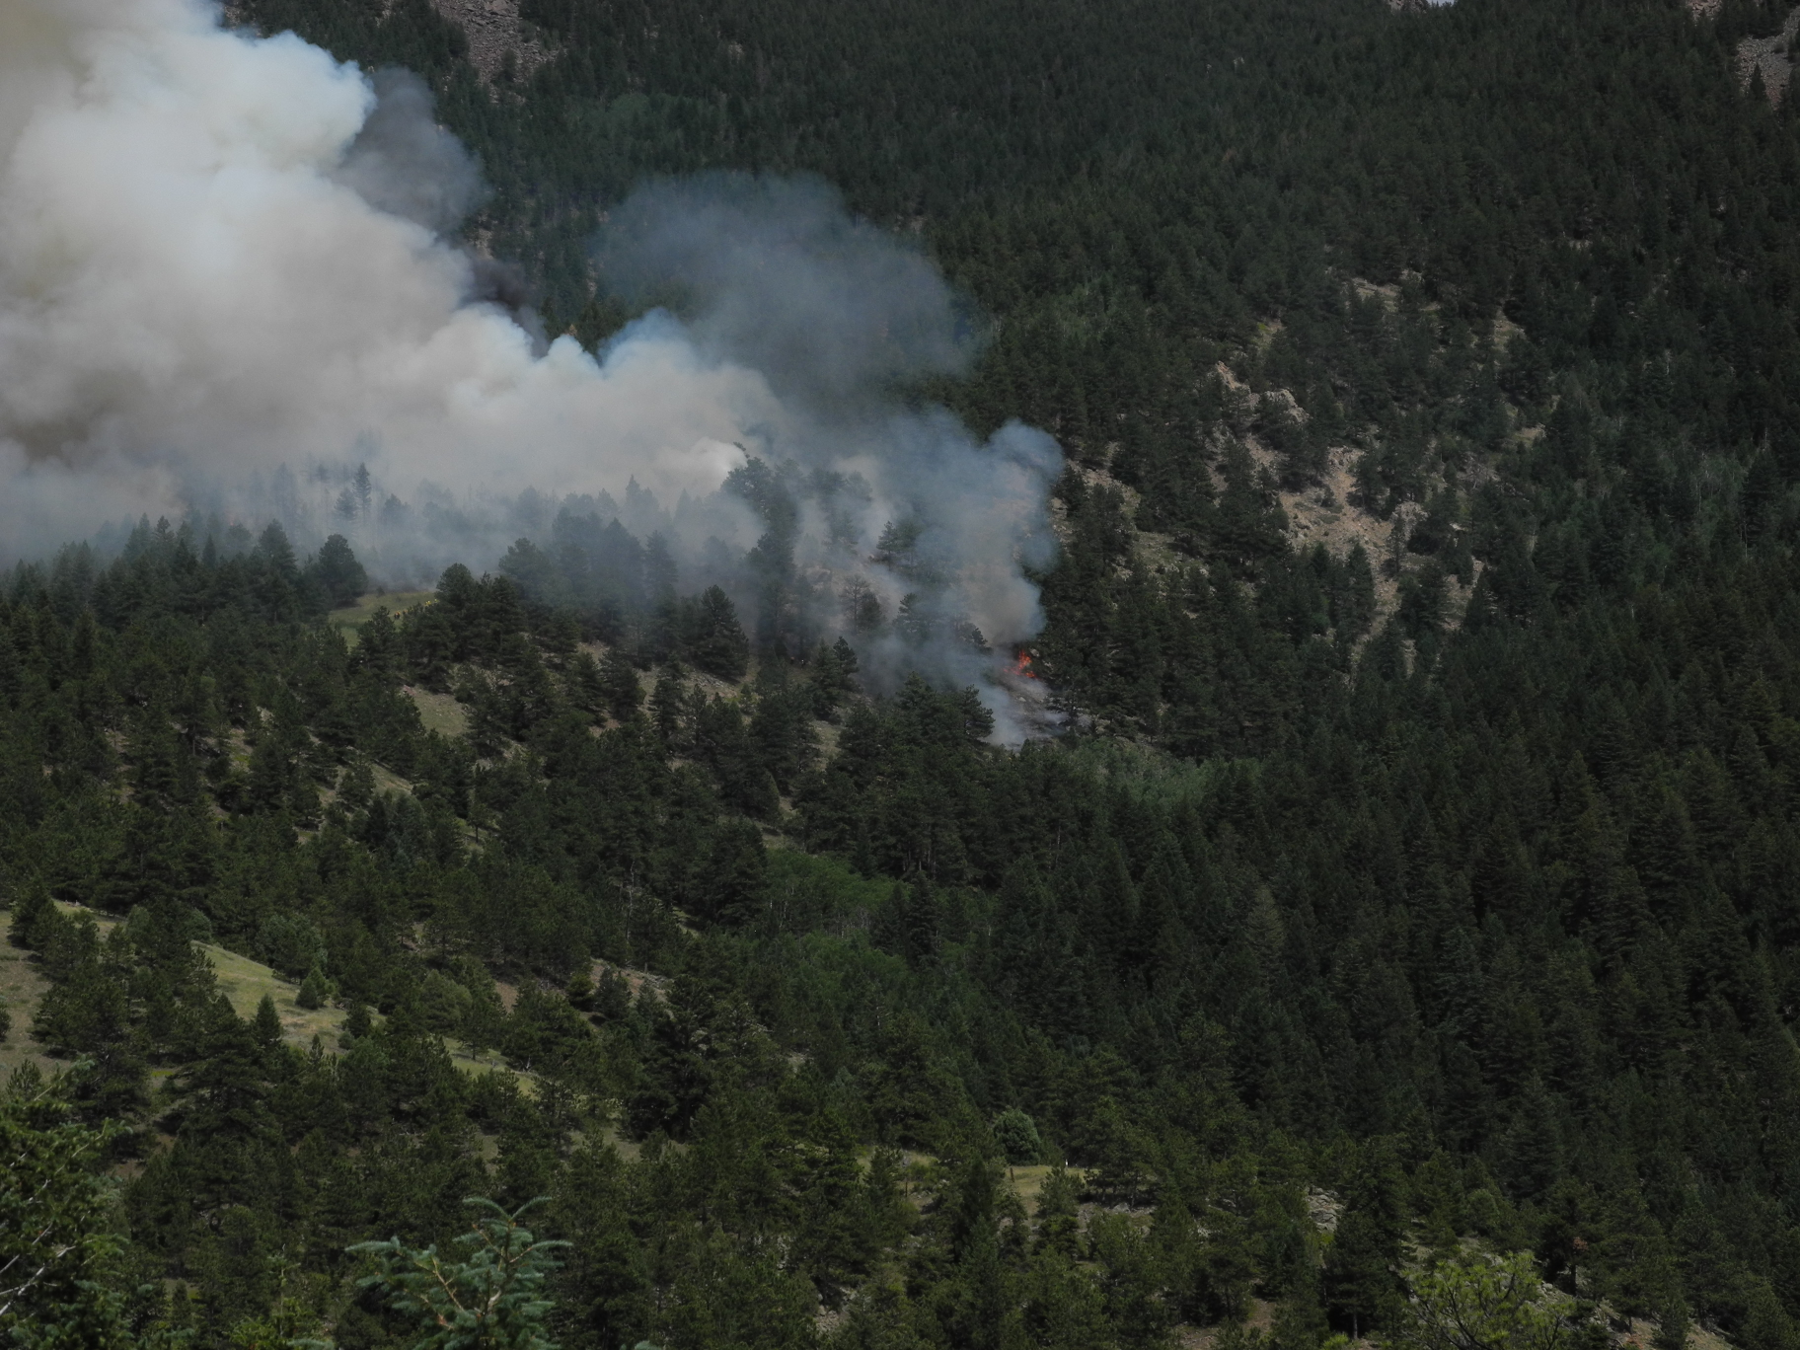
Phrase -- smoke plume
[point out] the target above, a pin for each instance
(226, 283)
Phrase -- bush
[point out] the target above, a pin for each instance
(315, 990)
(291, 944)
(443, 1003)
(1017, 1135)
(32, 915)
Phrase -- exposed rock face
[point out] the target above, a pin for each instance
(501, 47)
(493, 27)
(1769, 56)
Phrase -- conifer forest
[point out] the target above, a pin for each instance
(1381, 930)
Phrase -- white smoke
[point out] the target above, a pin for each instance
(222, 264)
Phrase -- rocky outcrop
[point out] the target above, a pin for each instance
(503, 48)
(1770, 56)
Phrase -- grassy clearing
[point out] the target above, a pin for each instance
(386, 780)
(625, 1148)
(241, 980)
(351, 618)
(104, 922)
(471, 1060)
(22, 986)
(1028, 1182)
(440, 712)
(245, 982)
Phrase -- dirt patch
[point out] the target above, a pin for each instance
(1319, 515)
(710, 685)
(707, 686)
(1387, 290)
(1323, 515)
(1706, 1338)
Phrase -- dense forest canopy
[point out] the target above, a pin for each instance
(1406, 919)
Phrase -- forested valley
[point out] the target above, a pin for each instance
(1398, 943)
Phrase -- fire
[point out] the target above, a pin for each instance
(1022, 667)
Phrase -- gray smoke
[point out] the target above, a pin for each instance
(225, 286)
(901, 515)
(404, 163)
(830, 310)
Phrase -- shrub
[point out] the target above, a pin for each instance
(1017, 1135)
(291, 944)
(315, 989)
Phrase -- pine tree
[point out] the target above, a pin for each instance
(492, 1296)
(617, 686)
(59, 1252)
(314, 990)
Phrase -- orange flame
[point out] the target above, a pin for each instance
(1023, 668)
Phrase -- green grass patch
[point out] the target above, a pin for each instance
(351, 618)
(22, 985)
(1028, 1182)
(440, 712)
(386, 780)
(241, 980)
(245, 982)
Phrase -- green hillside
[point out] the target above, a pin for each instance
(1400, 947)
